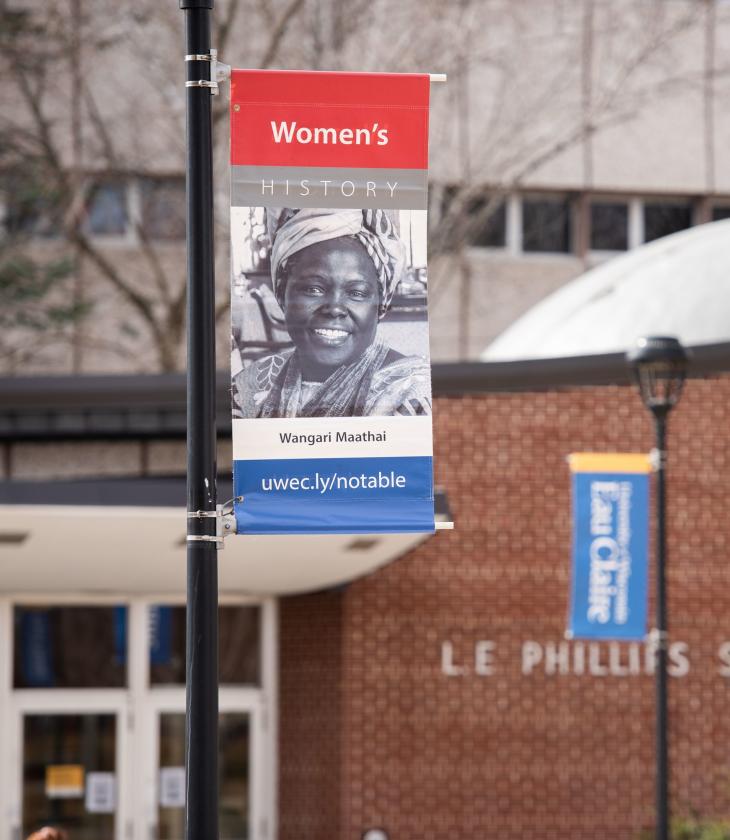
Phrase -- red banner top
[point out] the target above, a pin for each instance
(359, 120)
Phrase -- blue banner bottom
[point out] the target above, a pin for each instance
(334, 495)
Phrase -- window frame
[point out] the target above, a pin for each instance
(494, 249)
(690, 202)
(570, 197)
(608, 198)
(140, 180)
(31, 604)
(127, 237)
(719, 205)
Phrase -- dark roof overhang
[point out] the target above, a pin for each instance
(152, 406)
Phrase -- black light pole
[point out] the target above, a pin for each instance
(659, 365)
(201, 724)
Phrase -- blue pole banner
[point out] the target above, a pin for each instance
(160, 634)
(610, 546)
(37, 660)
(120, 633)
(330, 373)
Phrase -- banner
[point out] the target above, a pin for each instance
(160, 630)
(36, 649)
(331, 386)
(610, 546)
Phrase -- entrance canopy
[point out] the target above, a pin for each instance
(102, 515)
(129, 535)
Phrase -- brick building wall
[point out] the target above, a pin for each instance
(386, 720)
(311, 632)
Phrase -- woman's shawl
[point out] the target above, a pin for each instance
(272, 387)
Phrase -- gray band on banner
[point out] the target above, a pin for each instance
(317, 186)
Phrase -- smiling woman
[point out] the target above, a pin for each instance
(334, 274)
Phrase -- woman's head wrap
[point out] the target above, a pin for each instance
(291, 230)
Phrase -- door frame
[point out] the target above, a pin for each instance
(234, 700)
(137, 707)
(68, 702)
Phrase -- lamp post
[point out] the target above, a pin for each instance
(201, 633)
(659, 366)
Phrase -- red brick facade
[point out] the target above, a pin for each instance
(375, 734)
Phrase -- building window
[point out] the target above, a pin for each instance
(479, 223)
(486, 226)
(106, 209)
(163, 208)
(546, 225)
(720, 213)
(664, 218)
(239, 657)
(609, 226)
(31, 209)
(70, 647)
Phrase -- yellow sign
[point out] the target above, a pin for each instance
(64, 781)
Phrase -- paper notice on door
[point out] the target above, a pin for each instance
(64, 781)
(100, 793)
(172, 787)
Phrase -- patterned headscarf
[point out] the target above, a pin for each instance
(291, 230)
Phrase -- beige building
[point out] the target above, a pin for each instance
(391, 695)
(567, 133)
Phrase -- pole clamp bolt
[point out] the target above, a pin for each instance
(657, 459)
(225, 522)
(219, 72)
(659, 639)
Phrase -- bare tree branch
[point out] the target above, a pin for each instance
(97, 122)
(266, 11)
(225, 27)
(278, 33)
(141, 303)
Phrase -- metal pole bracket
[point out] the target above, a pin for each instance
(657, 459)
(219, 72)
(658, 639)
(225, 522)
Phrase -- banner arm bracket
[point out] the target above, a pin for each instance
(225, 522)
(219, 72)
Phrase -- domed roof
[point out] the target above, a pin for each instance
(678, 285)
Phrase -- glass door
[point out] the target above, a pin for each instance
(92, 726)
(69, 777)
(67, 730)
(233, 776)
(246, 740)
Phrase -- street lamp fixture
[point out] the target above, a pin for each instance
(659, 366)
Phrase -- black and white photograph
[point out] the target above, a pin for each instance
(329, 313)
